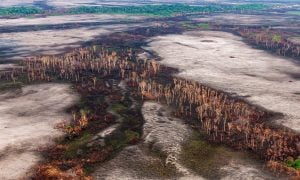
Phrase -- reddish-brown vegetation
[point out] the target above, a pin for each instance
(272, 40)
(223, 118)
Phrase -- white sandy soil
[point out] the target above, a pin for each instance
(5, 3)
(21, 44)
(50, 20)
(221, 60)
(27, 122)
(24, 44)
(4, 67)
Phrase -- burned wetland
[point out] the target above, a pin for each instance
(180, 97)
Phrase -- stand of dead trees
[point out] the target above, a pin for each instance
(271, 40)
(223, 118)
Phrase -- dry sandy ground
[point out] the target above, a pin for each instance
(24, 44)
(50, 20)
(221, 60)
(27, 122)
(4, 67)
(17, 45)
(15, 2)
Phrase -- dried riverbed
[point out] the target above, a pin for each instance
(171, 149)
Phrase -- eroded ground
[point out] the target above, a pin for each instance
(27, 122)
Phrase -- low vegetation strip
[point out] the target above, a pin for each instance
(297, 13)
(163, 10)
(20, 11)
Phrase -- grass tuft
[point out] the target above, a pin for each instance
(75, 145)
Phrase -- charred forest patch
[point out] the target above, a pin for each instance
(222, 117)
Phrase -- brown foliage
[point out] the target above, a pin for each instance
(223, 118)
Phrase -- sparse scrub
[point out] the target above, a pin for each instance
(293, 163)
(118, 107)
(76, 145)
(297, 13)
(203, 157)
(132, 137)
(10, 85)
(204, 25)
